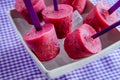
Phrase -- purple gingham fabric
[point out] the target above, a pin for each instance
(16, 63)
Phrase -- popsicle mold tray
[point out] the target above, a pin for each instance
(62, 63)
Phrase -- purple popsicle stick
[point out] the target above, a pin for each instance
(33, 15)
(106, 30)
(55, 2)
(114, 7)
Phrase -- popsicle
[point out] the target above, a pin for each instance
(38, 5)
(99, 17)
(80, 44)
(61, 18)
(42, 40)
(43, 43)
(76, 4)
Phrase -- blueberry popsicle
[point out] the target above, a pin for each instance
(99, 17)
(62, 19)
(43, 43)
(76, 4)
(80, 44)
(38, 6)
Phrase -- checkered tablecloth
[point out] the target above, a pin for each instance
(16, 63)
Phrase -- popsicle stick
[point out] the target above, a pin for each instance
(114, 7)
(33, 15)
(106, 30)
(55, 2)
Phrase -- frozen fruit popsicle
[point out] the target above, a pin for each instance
(99, 17)
(80, 44)
(76, 4)
(62, 19)
(43, 43)
(38, 5)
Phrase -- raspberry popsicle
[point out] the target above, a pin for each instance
(99, 17)
(62, 19)
(76, 4)
(43, 43)
(80, 44)
(42, 40)
(38, 6)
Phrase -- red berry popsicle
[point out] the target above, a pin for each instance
(99, 17)
(38, 6)
(76, 4)
(62, 19)
(80, 44)
(43, 43)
